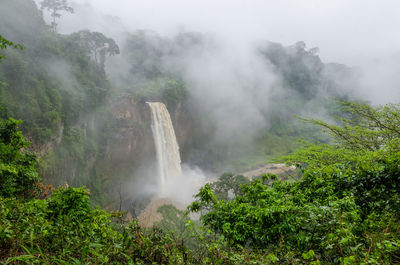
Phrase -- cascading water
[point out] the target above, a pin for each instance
(167, 149)
(175, 187)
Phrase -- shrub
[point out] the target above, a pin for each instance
(17, 167)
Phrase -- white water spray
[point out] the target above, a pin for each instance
(167, 149)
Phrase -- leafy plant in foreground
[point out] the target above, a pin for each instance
(345, 208)
(18, 176)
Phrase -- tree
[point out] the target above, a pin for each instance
(17, 169)
(97, 45)
(365, 128)
(4, 43)
(18, 176)
(228, 185)
(54, 6)
(344, 210)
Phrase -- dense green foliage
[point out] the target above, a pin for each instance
(4, 43)
(59, 90)
(58, 226)
(345, 211)
(18, 176)
(65, 230)
(62, 228)
(228, 185)
(345, 208)
(54, 76)
(366, 128)
(59, 86)
(49, 100)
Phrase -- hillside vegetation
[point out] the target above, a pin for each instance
(63, 86)
(58, 95)
(343, 210)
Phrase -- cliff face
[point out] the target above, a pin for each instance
(111, 152)
(130, 151)
(183, 126)
(132, 141)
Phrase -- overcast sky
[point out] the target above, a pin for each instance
(346, 31)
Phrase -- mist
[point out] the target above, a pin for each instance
(191, 132)
(352, 33)
(345, 31)
(229, 79)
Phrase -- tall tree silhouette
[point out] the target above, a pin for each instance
(54, 6)
(97, 45)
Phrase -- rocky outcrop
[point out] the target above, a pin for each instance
(41, 149)
(118, 150)
(275, 169)
(132, 141)
(150, 214)
(130, 150)
(183, 126)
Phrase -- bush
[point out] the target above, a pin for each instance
(345, 208)
(17, 167)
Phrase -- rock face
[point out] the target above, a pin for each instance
(124, 157)
(132, 141)
(276, 169)
(130, 150)
(150, 214)
(183, 125)
(41, 149)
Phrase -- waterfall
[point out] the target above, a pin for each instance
(167, 149)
